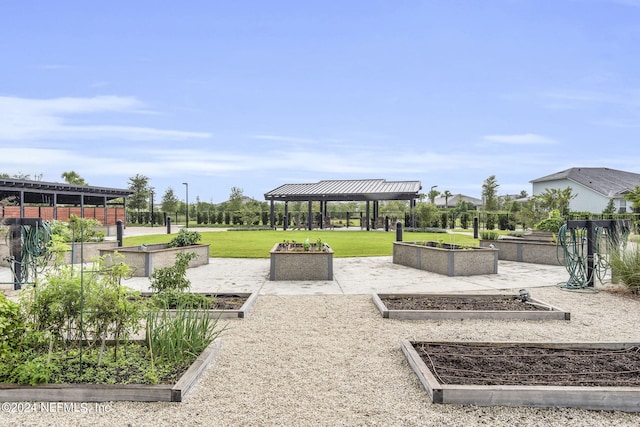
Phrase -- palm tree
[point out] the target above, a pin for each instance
(446, 195)
(73, 178)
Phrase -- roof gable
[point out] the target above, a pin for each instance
(608, 182)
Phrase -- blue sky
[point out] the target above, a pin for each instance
(255, 94)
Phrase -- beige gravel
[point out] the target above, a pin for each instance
(332, 360)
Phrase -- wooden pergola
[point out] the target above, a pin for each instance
(370, 191)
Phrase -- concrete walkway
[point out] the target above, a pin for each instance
(358, 275)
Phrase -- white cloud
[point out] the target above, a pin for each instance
(519, 139)
(24, 119)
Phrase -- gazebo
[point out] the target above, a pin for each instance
(367, 190)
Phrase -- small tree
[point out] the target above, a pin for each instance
(169, 201)
(490, 193)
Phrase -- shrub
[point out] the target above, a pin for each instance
(489, 235)
(173, 277)
(625, 266)
(185, 238)
(552, 223)
(78, 230)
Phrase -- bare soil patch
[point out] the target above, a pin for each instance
(473, 364)
(432, 302)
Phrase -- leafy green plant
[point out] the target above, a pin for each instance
(11, 322)
(78, 230)
(185, 238)
(171, 299)
(552, 223)
(173, 277)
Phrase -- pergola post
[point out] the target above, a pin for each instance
(272, 215)
(285, 220)
(309, 217)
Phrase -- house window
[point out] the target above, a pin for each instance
(623, 206)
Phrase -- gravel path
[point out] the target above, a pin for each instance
(332, 360)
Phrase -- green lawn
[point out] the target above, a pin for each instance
(257, 244)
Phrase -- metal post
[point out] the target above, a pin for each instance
(119, 232)
(398, 231)
(168, 225)
(475, 227)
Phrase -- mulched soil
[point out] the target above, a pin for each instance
(472, 364)
(229, 302)
(431, 302)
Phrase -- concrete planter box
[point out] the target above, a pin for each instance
(86, 251)
(144, 260)
(300, 265)
(446, 259)
(532, 251)
(79, 251)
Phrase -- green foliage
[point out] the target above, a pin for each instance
(173, 277)
(90, 304)
(633, 196)
(175, 336)
(172, 299)
(77, 230)
(610, 209)
(11, 322)
(625, 266)
(552, 223)
(489, 235)
(490, 193)
(185, 238)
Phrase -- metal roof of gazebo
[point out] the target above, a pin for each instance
(369, 190)
(346, 190)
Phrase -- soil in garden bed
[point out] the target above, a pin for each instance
(217, 302)
(228, 302)
(432, 302)
(472, 364)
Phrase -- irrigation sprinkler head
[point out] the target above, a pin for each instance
(524, 295)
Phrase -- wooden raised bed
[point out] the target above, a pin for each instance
(537, 310)
(240, 312)
(610, 397)
(112, 392)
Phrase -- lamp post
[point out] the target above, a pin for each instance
(151, 191)
(186, 184)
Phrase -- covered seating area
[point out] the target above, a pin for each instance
(371, 191)
(58, 201)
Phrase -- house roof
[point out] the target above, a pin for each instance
(43, 192)
(347, 190)
(454, 199)
(608, 182)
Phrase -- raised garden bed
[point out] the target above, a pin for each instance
(145, 258)
(465, 306)
(292, 262)
(600, 376)
(446, 259)
(227, 305)
(112, 392)
(526, 250)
